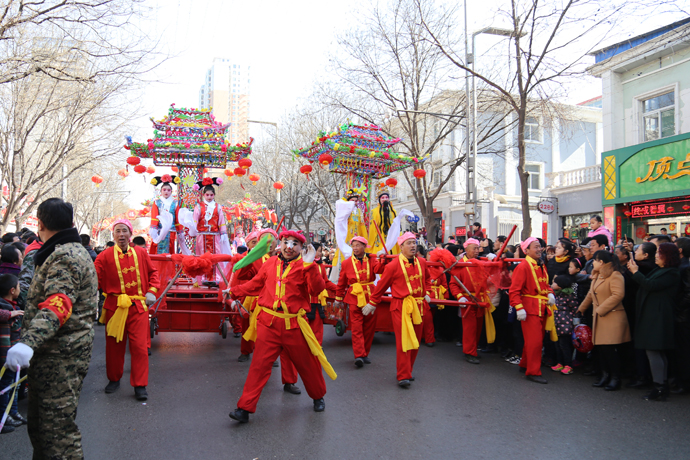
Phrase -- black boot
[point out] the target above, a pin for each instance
(658, 393)
(603, 381)
(240, 415)
(614, 383)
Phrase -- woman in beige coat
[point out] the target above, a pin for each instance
(610, 327)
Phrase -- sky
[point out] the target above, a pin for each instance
(287, 45)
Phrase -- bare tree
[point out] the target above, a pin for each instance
(390, 76)
(550, 44)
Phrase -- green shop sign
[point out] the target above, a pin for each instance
(657, 169)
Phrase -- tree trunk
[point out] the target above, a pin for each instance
(431, 229)
(524, 176)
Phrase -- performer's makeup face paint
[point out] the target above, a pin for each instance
(290, 248)
(209, 196)
(166, 191)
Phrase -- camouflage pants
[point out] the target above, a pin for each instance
(55, 383)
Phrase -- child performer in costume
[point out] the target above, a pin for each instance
(356, 282)
(532, 297)
(284, 285)
(408, 277)
(164, 216)
(473, 316)
(211, 230)
(439, 290)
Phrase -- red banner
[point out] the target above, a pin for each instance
(545, 231)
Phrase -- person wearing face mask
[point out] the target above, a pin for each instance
(473, 316)
(278, 324)
(383, 216)
(164, 230)
(532, 297)
(408, 278)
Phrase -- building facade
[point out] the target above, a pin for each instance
(226, 90)
(645, 163)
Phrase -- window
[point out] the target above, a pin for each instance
(532, 130)
(659, 116)
(534, 180)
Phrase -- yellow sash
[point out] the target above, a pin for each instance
(248, 302)
(308, 334)
(116, 324)
(358, 287)
(322, 297)
(280, 282)
(489, 325)
(411, 307)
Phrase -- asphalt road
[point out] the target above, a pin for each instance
(453, 410)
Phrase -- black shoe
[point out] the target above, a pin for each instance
(243, 358)
(642, 383)
(319, 405)
(12, 422)
(18, 417)
(405, 383)
(149, 352)
(471, 359)
(657, 394)
(614, 384)
(537, 379)
(275, 363)
(140, 393)
(411, 379)
(603, 381)
(7, 429)
(292, 388)
(240, 415)
(366, 360)
(430, 344)
(237, 335)
(359, 362)
(112, 387)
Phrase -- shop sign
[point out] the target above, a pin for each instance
(667, 208)
(545, 231)
(546, 207)
(619, 228)
(659, 169)
(460, 231)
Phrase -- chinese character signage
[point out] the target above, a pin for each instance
(667, 208)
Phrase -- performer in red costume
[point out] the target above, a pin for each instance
(284, 285)
(439, 290)
(317, 315)
(356, 282)
(532, 297)
(241, 276)
(410, 283)
(473, 316)
(130, 282)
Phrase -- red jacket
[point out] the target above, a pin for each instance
(474, 279)
(364, 273)
(298, 282)
(524, 285)
(394, 278)
(330, 286)
(111, 280)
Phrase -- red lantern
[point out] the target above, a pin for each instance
(123, 173)
(245, 163)
(254, 178)
(229, 173)
(205, 170)
(306, 169)
(278, 185)
(239, 172)
(419, 173)
(325, 159)
(627, 213)
(96, 179)
(140, 169)
(175, 169)
(133, 161)
(150, 170)
(391, 182)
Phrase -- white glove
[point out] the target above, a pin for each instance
(338, 304)
(491, 256)
(552, 299)
(19, 355)
(381, 252)
(368, 310)
(150, 298)
(521, 314)
(427, 298)
(308, 254)
(153, 233)
(463, 299)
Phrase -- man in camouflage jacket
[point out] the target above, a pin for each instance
(57, 334)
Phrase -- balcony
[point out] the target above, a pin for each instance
(583, 178)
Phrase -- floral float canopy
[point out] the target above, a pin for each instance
(363, 150)
(189, 137)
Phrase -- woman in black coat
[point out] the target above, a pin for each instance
(656, 296)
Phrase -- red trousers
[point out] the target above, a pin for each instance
(288, 373)
(237, 325)
(271, 341)
(428, 324)
(363, 328)
(404, 360)
(137, 331)
(317, 326)
(472, 322)
(246, 346)
(533, 333)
